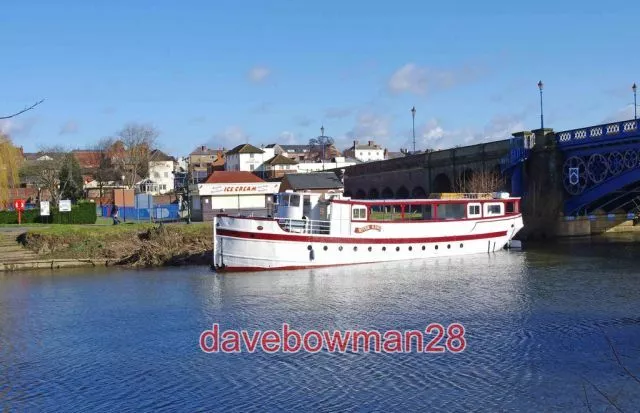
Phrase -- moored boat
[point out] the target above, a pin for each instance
(315, 230)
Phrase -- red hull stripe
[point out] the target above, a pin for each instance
(349, 240)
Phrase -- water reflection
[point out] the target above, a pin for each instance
(127, 340)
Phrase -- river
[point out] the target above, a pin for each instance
(543, 328)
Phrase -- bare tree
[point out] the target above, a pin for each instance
(480, 182)
(22, 111)
(45, 172)
(137, 141)
(105, 170)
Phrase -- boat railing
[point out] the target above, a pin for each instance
(305, 226)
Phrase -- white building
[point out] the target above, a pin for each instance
(365, 153)
(160, 180)
(231, 192)
(247, 157)
(337, 162)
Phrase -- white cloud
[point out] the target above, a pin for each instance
(421, 80)
(625, 113)
(17, 127)
(370, 125)
(259, 74)
(70, 127)
(287, 138)
(230, 137)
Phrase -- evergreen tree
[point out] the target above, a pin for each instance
(71, 182)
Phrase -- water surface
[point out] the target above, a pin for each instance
(537, 324)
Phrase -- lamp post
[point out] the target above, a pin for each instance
(635, 105)
(323, 144)
(413, 118)
(124, 204)
(540, 86)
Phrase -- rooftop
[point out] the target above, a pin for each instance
(232, 177)
(314, 180)
(245, 148)
(281, 160)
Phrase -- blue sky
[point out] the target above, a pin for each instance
(226, 72)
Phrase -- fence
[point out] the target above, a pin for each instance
(163, 212)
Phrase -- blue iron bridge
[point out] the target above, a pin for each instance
(601, 169)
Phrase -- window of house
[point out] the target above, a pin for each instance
(251, 166)
(166, 174)
(156, 174)
(251, 155)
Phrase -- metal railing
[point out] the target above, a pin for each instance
(598, 133)
(304, 226)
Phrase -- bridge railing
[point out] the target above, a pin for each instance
(599, 133)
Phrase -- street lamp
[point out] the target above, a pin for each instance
(124, 204)
(413, 117)
(635, 105)
(322, 140)
(540, 86)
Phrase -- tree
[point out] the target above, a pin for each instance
(70, 178)
(45, 173)
(137, 141)
(21, 111)
(480, 182)
(322, 147)
(106, 171)
(10, 161)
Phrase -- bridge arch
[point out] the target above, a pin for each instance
(374, 194)
(402, 193)
(441, 183)
(348, 193)
(360, 194)
(387, 193)
(418, 192)
(464, 180)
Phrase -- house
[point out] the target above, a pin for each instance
(160, 177)
(297, 152)
(279, 165)
(231, 192)
(203, 161)
(318, 182)
(87, 159)
(366, 153)
(249, 158)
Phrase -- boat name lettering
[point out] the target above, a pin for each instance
(368, 228)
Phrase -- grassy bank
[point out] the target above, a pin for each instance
(126, 244)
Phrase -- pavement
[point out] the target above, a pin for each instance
(11, 250)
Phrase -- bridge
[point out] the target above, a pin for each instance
(590, 169)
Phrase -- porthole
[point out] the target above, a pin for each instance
(436, 247)
(325, 248)
(384, 248)
(448, 246)
(309, 247)
(423, 248)
(410, 248)
(340, 248)
(355, 248)
(370, 249)
(461, 245)
(397, 248)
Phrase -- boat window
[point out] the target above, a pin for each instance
(510, 207)
(418, 212)
(451, 211)
(294, 200)
(359, 212)
(493, 209)
(386, 212)
(473, 211)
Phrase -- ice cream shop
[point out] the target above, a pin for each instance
(231, 192)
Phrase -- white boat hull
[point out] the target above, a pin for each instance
(239, 247)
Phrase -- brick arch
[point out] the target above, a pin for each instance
(360, 194)
(441, 183)
(418, 192)
(387, 193)
(402, 193)
(373, 193)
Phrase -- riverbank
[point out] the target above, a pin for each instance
(133, 245)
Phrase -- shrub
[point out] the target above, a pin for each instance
(82, 213)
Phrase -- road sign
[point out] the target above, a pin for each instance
(44, 208)
(19, 204)
(64, 205)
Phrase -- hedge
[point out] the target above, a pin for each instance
(82, 213)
